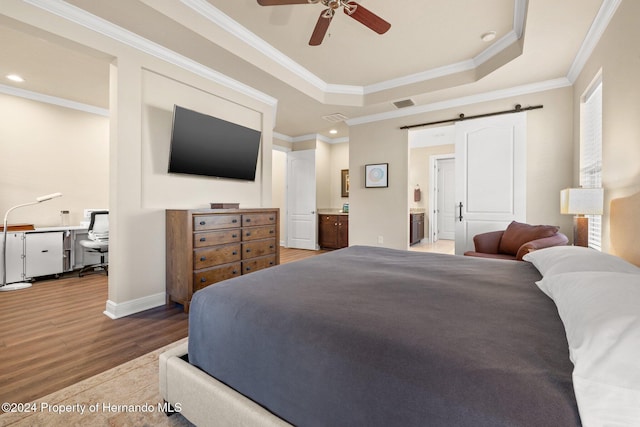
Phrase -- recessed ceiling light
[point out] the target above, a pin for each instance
(15, 78)
(333, 131)
(489, 36)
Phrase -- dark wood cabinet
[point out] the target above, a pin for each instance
(416, 228)
(333, 231)
(207, 246)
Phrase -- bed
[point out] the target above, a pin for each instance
(375, 336)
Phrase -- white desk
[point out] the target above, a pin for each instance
(46, 251)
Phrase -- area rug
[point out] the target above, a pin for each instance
(126, 395)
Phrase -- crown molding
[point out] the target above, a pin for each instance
(282, 137)
(421, 76)
(505, 41)
(519, 17)
(309, 137)
(599, 25)
(219, 18)
(48, 99)
(466, 100)
(222, 20)
(108, 29)
(276, 147)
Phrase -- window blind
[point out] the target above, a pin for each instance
(591, 153)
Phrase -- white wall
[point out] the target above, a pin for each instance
(141, 87)
(330, 160)
(384, 212)
(161, 190)
(616, 55)
(323, 175)
(420, 173)
(279, 186)
(339, 161)
(45, 149)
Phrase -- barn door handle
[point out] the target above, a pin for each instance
(460, 215)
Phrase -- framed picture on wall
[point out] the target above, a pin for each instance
(344, 180)
(376, 175)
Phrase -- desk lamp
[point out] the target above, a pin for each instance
(581, 202)
(22, 285)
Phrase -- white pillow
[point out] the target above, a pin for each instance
(566, 259)
(601, 315)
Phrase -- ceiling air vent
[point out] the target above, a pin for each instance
(335, 118)
(404, 103)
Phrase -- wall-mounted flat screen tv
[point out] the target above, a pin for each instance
(206, 145)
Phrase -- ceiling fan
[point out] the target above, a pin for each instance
(351, 8)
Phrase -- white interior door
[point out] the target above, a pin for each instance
(301, 200)
(490, 176)
(446, 199)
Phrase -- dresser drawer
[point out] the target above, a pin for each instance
(204, 278)
(249, 220)
(253, 233)
(249, 266)
(209, 257)
(258, 248)
(210, 238)
(213, 222)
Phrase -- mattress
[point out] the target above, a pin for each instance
(382, 337)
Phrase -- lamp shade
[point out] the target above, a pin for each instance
(582, 201)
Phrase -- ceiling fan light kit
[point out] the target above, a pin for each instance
(350, 8)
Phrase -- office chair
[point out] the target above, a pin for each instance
(98, 241)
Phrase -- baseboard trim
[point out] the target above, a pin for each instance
(117, 310)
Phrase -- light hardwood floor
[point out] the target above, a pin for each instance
(441, 247)
(55, 334)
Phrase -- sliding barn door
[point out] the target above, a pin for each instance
(490, 175)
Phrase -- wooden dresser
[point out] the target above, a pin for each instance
(206, 246)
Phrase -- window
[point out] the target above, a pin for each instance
(591, 152)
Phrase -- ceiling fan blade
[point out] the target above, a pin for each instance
(321, 29)
(368, 18)
(281, 2)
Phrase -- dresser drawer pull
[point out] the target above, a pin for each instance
(234, 221)
(203, 239)
(248, 234)
(248, 250)
(234, 253)
(248, 269)
(270, 262)
(234, 235)
(203, 258)
(203, 280)
(234, 272)
(270, 246)
(271, 218)
(271, 231)
(248, 220)
(203, 222)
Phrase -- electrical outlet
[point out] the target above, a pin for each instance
(380, 240)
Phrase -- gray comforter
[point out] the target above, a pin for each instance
(379, 337)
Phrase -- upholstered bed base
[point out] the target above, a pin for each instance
(205, 401)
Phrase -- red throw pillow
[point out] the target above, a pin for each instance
(517, 234)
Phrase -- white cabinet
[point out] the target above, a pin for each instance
(43, 254)
(15, 260)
